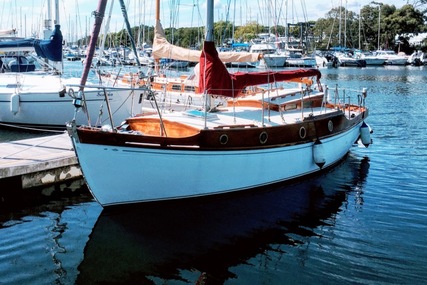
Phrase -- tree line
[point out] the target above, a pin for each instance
(374, 26)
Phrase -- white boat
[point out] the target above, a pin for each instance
(243, 220)
(391, 57)
(144, 57)
(270, 137)
(295, 58)
(345, 59)
(322, 60)
(417, 58)
(41, 98)
(43, 101)
(371, 59)
(271, 55)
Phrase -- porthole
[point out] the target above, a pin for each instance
(330, 126)
(263, 137)
(302, 132)
(223, 139)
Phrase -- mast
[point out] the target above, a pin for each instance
(156, 60)
(99, 16)
(106, 28)
(339, 26)
(360, 16)
(379, 21)
(47, 34)
(47, 31)
(132, 41)
(56, 21)
(345, 25)
(210, 21)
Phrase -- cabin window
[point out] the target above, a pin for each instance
(176, 87)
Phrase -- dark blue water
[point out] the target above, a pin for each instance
(362, 222)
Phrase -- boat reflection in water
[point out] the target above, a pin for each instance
(210, 236)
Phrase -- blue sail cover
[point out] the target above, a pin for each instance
(50, 49)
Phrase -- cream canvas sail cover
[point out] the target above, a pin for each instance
(163, 49)
(7, 32)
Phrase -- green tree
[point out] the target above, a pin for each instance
(338, 28)
(325, 32)
(369, 27)
(402, 22)
(222, 31)
(393, 22)
(247, 32)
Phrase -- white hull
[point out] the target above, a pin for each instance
(346, 61)
(271, 56)
(301, 62)
(374, 61)
(191, 173)
(391, 57)
(37, 102)
(273, 60)
(397, 61)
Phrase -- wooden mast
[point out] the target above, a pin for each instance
(99, 16)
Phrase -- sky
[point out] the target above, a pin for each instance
(76, 21)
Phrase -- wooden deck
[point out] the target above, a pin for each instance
(38, 161)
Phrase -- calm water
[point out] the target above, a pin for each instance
(363, 222)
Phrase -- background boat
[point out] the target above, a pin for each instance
(41, 98)
(391, 57)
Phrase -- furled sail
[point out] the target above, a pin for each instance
(215, 79)
(163, 49)
(8, 32)
(50, 48)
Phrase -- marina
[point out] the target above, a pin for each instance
(362, 222)
(278, 190)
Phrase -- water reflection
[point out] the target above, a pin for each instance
(211, 236)
(43, 232)
(18, 203)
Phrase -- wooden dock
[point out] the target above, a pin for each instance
(38, 162)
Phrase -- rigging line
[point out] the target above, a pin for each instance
(200, 15)
(132, 41)
(226, 20)
(304, 10)
(260, 10)
(79, 22)
(280, 13)
(29, 129)
(192, 15)
(195, 3)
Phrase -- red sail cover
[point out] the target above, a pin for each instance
(215, 79)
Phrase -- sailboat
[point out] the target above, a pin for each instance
(174, 92)
(41, 99)
(255, 140)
